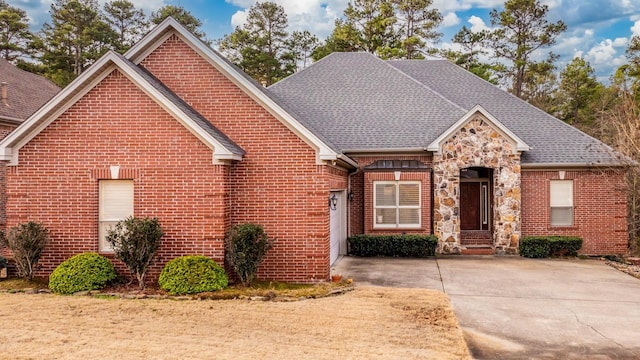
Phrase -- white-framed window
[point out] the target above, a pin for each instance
(561, 202)
(396, 204)
(116, 204)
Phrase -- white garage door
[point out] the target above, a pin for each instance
(338, 226)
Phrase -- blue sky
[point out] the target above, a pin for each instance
(598, 30)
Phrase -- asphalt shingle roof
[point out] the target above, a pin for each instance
(26, 92)
(358, 102)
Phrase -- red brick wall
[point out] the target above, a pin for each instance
(361, 217)
(599, 209)
(56, 180)
(278, 183)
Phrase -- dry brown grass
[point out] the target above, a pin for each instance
(370, 322)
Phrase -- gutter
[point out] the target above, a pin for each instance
(384, 150)
(573, 165)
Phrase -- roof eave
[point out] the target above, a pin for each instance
(556, 166)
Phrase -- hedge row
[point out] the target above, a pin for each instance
(545, 246)
(393, 245)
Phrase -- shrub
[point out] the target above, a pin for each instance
(88, 271)
(191, 275)
(545, 246)
(245, 247)
(26, 241)
(135, 241)
(401, 245)
(3, 263)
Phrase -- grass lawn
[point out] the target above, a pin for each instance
(369, 322)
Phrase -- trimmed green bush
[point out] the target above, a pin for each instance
(393, 245)
(82, 272)
(192, 275)
(245, 247)
(545, 246)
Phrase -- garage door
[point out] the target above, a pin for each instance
(338, 226)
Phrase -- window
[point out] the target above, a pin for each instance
(116, 203)
(396, 204)
(561, 201)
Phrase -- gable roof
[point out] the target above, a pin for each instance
(223, 147)
(264, 97)
(363, 104)
(359, 102)
(26, 92)
(518, 144)
(552, 140)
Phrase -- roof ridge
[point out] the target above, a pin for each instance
(386, 62)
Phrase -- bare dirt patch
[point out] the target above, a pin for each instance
(368, 322)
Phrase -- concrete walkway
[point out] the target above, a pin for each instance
(517, 308)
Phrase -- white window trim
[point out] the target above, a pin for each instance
(562, 206)
(397, 225)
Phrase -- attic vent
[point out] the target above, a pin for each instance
(404, 165)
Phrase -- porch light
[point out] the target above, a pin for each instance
(333, 202)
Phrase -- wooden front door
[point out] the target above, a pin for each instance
(475, 207)
(470, 206)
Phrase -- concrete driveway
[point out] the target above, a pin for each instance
(517, 308)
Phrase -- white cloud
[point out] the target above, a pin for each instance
(602, 53)
(445, 6)
(450, 19)
(239, 18)
(635, 29)
(620, 42)
(317, 16)
(477, 24)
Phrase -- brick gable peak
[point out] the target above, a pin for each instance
(157, 36)
(224, 149)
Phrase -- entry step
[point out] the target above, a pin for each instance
(478, 250)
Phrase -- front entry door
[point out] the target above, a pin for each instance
(470, 206)
(474, 205)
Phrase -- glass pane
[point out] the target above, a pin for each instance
(409, 216)
(103, 244)
(385, 194)
(561, 216)
(561, 193)
(385, 217)
(409, 194)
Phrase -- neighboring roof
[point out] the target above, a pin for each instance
(363, 104)
(224, 148)
(26, 92)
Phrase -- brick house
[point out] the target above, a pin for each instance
(350, 145)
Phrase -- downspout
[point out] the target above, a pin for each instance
(433, 209)
(349, 200)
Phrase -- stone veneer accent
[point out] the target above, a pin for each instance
(477, 144)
